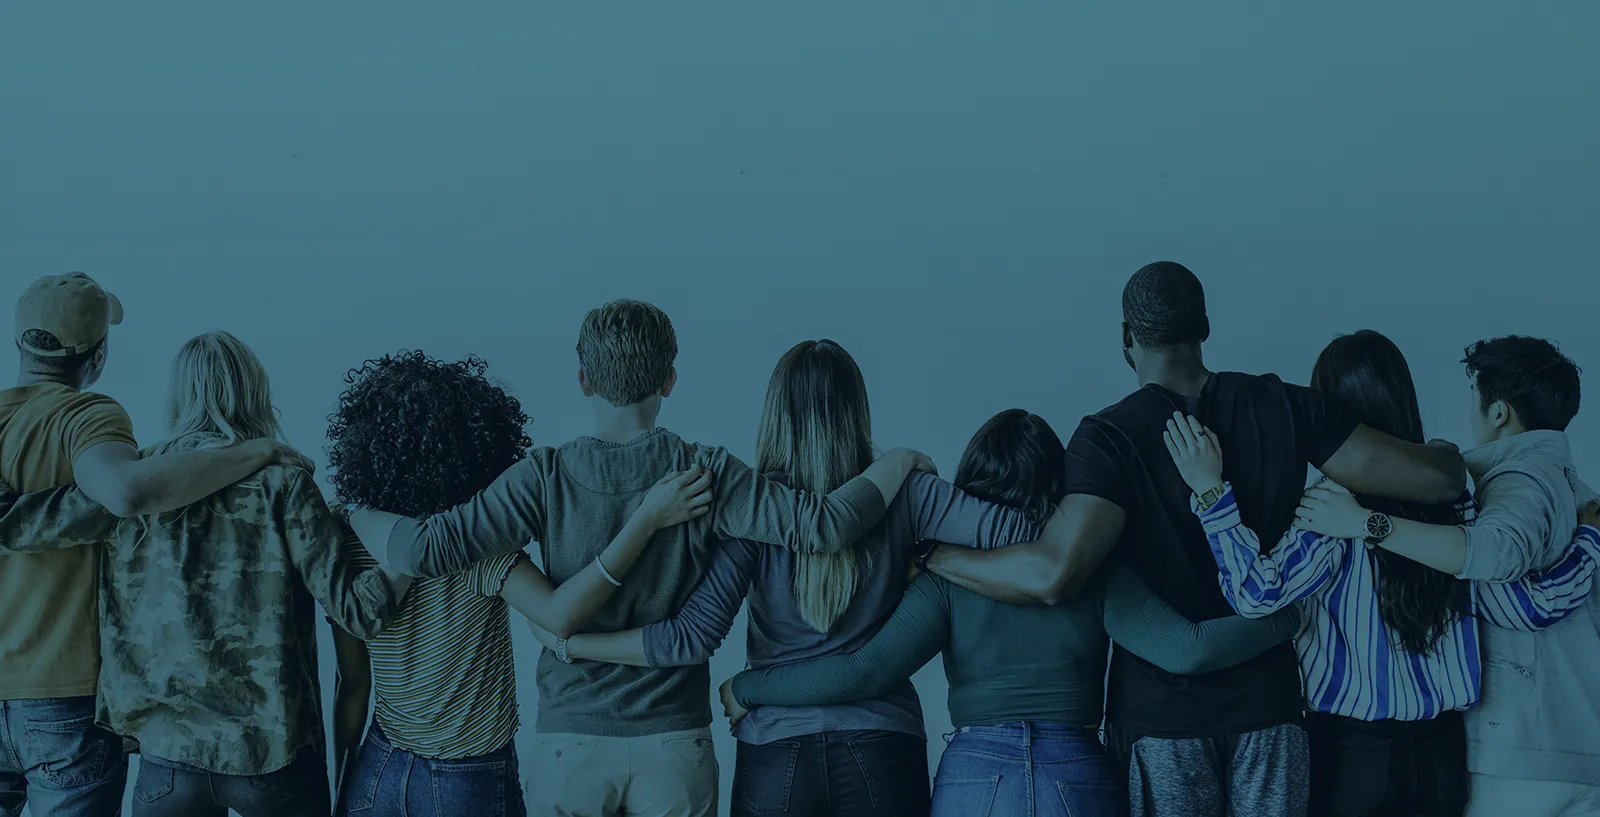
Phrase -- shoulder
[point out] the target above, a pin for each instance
(92, 407)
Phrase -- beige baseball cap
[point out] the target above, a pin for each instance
(72, 307)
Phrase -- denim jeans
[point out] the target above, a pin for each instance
(169, 789)
(55, 761)
(1024, 769)
(832, 774)
(388, 780)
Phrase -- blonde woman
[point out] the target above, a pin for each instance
(863, 757)
(208, 628)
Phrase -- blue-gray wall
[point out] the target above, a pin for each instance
(954, 191)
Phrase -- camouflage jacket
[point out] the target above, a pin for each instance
(207, 625)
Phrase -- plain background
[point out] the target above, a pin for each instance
(955, 193)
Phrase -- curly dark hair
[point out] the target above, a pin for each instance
(415, 436)
(1164, 306)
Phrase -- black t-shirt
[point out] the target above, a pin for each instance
(1270, 432)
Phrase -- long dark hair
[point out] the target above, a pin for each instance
(1016, 460)
(1367, 373)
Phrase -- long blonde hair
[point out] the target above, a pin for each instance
(816, 428)
(218, 387)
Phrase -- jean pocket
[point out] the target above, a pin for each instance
(965, 797)
(1093, 799)
(359, 792)
(471, 787)
(765, 775)
(155, 782)
(73, 752)
(894, 767)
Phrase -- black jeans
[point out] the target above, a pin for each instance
(837, 774)
(1388, 768)
(167, 789)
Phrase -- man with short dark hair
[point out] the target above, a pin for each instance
(53, 758)
(1227, 742)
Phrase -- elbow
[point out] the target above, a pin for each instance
(128, 499)
(1057, 589)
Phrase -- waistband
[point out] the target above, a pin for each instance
(1028, 730)
(1453, 720)
(376, 737)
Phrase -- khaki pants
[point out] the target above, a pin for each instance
(668, 775)
(1494, 796)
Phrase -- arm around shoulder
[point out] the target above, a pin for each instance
(1048, 570)
(1372, 462)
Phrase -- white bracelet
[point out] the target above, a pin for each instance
(606, 573)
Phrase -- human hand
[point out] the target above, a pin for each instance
(677, 498)
(276, 452)
(913, 460)
(1196, 452)
(1330, 510)
(545, 637)
(730, 707)
(1589, 514)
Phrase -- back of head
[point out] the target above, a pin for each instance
(816, 428)
(219, 393)
(1367, 373)
(1164, 306)
(1529, 374)
(62, 322)
(626, 350)
(415, 436)
(1016, 460)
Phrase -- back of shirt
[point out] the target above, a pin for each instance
(49, 634)
(1270, 432)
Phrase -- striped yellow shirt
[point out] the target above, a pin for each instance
(443, 672)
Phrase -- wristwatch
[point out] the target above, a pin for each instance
(561, 651)
(1209, 498)
(1379, 526)
(924, 549)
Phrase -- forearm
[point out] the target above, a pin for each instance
(836, 679)
(60, 518)
(1020, 574)
(1441, 547)
(169, 481)
(563, 610)
(626, 647)
(349, 726)
(1257, 583)
(1544, 598)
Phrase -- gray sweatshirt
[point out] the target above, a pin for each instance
(572, 500)
(926, 508)
(1539, 717)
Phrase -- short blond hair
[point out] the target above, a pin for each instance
(626, 349)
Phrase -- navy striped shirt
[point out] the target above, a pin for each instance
(1352, 664)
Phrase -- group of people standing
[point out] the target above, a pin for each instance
(1155, 617)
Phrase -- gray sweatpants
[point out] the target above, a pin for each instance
(1257, 774)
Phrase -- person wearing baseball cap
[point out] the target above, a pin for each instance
(53, 432)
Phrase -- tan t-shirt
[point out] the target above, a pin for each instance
(49, 602)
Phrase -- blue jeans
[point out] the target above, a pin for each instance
(833, 774)
(390, 780)
(1023, 769)
(55, 761)
(169, 789)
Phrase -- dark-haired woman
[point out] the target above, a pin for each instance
(416, 436)
(1389, 652)
(1026, 683)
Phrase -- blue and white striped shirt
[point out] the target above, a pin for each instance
(1352, 664)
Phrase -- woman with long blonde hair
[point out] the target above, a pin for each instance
(861, 757)
(208, 634)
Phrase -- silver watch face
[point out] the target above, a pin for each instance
(1379, 526)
